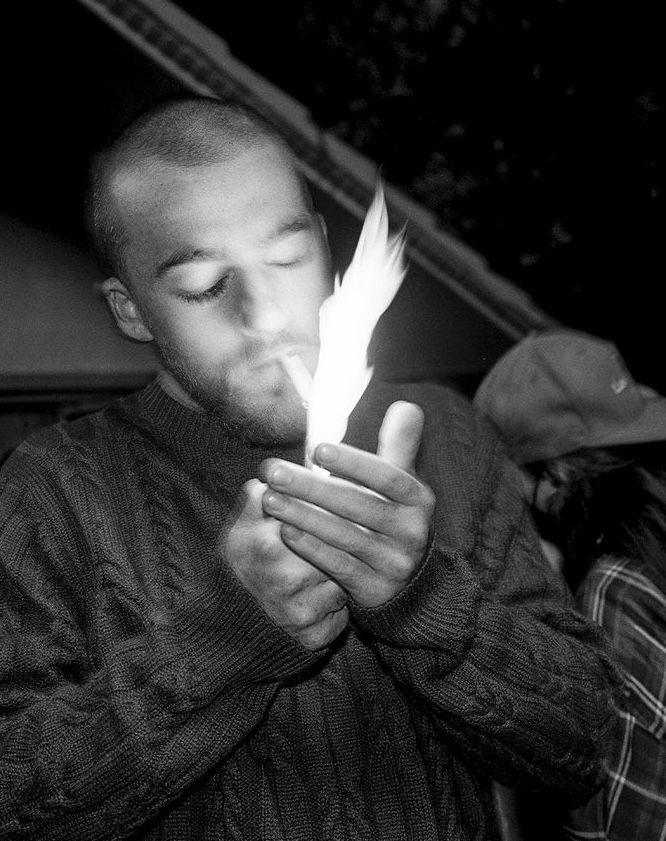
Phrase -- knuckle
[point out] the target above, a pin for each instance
(344, 564)
(402, 567)
(410, 490)
(325, 631)
(427, 501)
(332, 596)
(299, 614)
(305, 610)
(401, 485)
(339, 600)
(358, 543)
(294, 578)
(386, 514)
(416, 530)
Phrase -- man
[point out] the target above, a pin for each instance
(204, 639)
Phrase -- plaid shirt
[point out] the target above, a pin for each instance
(632, 804)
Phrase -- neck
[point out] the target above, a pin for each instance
(174, 389)
(196, 437)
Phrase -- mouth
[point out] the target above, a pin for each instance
(285, 367)
(300, 376)
(268, 356)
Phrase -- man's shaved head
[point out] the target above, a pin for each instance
(184, 131)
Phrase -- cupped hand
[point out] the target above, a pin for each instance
(366, 526)
(298, 597)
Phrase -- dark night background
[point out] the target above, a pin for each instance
(535, 131)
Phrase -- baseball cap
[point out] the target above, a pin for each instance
(559, 391)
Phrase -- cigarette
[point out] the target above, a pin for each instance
(298, 374)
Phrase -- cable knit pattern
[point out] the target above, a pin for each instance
(144, 694)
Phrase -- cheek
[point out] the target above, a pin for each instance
(306, 300)
(194, 331)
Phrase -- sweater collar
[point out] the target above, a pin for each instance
(197, 437)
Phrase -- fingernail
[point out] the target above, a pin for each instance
(280, 476)
(291, 533)
(276, 502)
(326, 454)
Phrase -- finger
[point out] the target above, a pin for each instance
(368, 586)
(250, 496)
(406, 520)
(308, 500)
(336, 532)
(357, 522)
(347, 570)
(400, 434)
(246, 507)
(314, 615)
(330, 495)
(370, 471)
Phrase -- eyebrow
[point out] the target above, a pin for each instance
(187, 254)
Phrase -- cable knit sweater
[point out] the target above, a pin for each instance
(145, 694)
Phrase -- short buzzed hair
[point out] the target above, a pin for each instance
(183, 131)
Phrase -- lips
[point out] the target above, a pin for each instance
(277, 352)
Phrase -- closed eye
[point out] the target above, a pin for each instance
(285, 264)
(217, 289)
(292, 249)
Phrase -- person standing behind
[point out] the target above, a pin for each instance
(592, 446)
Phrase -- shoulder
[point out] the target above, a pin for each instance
(451, 420)
(457, 437)
(434, 398)
(53, 453)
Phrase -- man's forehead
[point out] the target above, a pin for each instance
(153, 182)
(167, 207)
(130, 180)
(130, 168)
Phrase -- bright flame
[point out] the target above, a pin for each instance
(346, 322)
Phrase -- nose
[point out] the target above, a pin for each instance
(263, 313)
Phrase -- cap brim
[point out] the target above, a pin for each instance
(649, 427)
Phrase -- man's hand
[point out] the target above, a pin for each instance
(299, 598)
(366, 525)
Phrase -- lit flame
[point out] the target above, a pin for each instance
(346, 323)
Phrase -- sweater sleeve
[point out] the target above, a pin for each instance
(485, 637)
(91, 747)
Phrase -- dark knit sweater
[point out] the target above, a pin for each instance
(145, 694)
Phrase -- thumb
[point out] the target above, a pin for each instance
(246, 513)
(247, 505)
(400, 434)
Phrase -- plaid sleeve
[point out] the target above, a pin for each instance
(632, 804)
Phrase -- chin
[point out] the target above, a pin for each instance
(276, 423)
(280, 420)
(270, 410)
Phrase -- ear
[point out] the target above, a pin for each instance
(125, 311)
